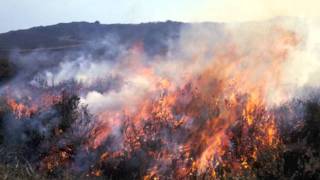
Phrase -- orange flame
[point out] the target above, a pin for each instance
(234, 87)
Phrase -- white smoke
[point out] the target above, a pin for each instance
(303, 69)
(188, 57)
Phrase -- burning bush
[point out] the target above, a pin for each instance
(217, 111)
(249, 148)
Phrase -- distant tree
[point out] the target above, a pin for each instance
(6, 69)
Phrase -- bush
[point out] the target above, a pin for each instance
(6, 69)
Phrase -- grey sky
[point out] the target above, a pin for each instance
(17, 14)
(20, 14)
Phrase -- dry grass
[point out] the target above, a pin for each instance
(11, 172)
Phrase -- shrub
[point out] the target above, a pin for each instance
(6, 69)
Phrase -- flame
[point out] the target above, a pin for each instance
(191, 127)
(21, 110)
(56, 158)
(27, 107)
(233, 89)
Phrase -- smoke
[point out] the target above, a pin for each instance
(210, 76)
(257, 10)
(270, 56)
(303, 67)
(265, 57)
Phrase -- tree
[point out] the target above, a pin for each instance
(6, 69)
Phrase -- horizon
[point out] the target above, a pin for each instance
(146, 22)
(24, 15)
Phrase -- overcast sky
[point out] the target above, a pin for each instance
(20, 14)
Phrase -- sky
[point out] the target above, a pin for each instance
(21, 14)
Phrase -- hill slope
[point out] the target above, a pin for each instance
(76, 34)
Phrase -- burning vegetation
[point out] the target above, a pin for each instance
(218, 111)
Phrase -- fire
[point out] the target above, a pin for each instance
(231, 91)
(206, 122)
(57, 158)
(27, 107)
(21, 110)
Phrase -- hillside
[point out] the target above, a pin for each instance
(76, 34)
